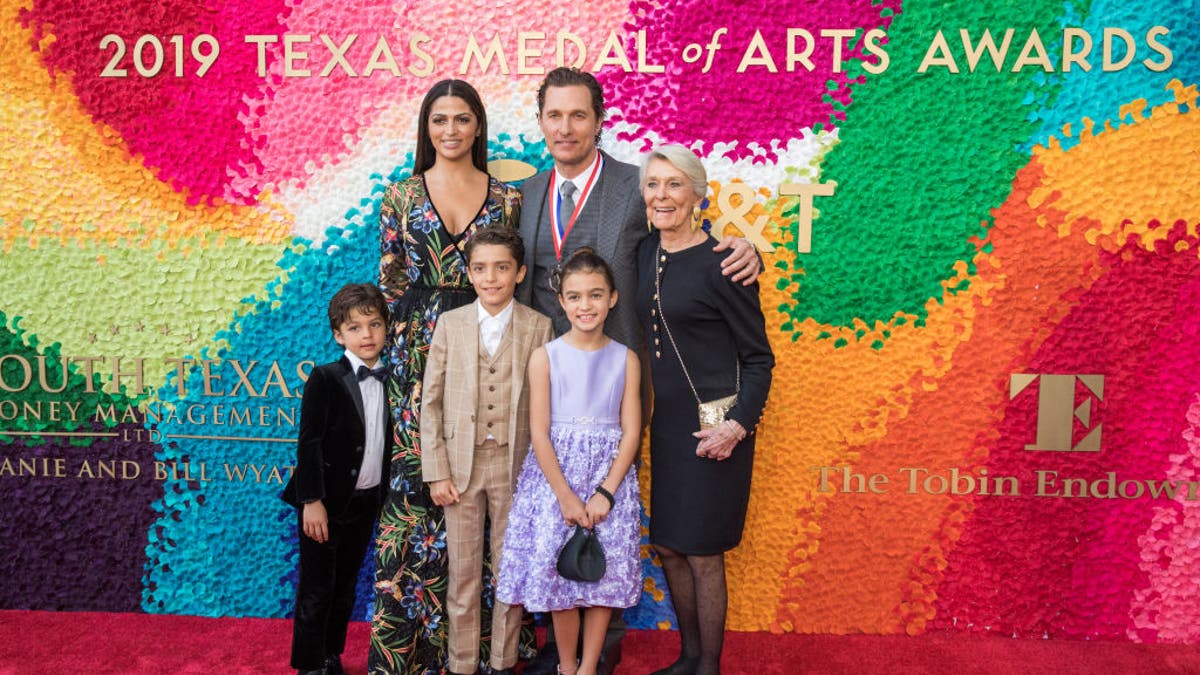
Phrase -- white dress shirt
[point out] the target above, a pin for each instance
(491, 328)
(580, 182)
(372, 396)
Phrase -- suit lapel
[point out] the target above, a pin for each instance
(468, 330)
(520, 350)
(533, 194)
(537, 200)
(608, 190)
(350, 382)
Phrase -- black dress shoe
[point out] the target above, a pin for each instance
(318, 671)
(545, 663)
(333, 665)
(609, 658)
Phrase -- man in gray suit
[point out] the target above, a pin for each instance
(607, 211)
(590, 199)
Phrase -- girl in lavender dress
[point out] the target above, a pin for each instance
(585, 422)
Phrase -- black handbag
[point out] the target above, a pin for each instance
(582, 557)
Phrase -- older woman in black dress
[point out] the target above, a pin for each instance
(707, 341)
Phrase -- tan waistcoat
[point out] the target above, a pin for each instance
(495, 391)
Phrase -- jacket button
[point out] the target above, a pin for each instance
(491, 387)
(489, 425)
(492, 369)
(490, 406)
(353, 472)
(358, 449)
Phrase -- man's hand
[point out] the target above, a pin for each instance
(743, 263)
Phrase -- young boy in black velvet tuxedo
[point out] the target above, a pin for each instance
(341, 475)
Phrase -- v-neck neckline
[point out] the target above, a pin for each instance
(456, 238)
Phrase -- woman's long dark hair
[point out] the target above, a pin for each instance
(458, 89)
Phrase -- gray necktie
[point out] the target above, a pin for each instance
(567, 207)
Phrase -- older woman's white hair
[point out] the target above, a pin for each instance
(683, 159)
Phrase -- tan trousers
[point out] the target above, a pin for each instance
(488, 493)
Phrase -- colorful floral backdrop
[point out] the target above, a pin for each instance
(169, 242)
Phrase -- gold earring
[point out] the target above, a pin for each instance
(696, 220)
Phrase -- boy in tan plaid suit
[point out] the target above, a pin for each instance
(475, 433)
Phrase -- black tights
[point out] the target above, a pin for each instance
(697, 585)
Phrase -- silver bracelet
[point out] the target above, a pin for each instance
(733, 429)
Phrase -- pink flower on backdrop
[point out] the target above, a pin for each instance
(684, 103)
(1034, 565)
(234, 132)
(303, 123)
(188, 129)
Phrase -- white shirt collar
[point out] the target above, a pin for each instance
(491, 328)
(355, 362)
(582, 177)
(502, 318)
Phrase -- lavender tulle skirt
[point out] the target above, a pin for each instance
(536, 529)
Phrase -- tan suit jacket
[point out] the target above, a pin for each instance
(450, 393)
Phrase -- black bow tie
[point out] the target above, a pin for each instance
(365, 372)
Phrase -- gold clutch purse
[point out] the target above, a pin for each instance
(713, 412)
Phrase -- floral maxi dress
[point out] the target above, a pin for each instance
(422, 273)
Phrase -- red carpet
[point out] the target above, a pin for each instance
(87, 642)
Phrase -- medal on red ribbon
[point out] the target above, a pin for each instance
(558, 229)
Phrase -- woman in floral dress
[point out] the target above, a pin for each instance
(425, 221)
